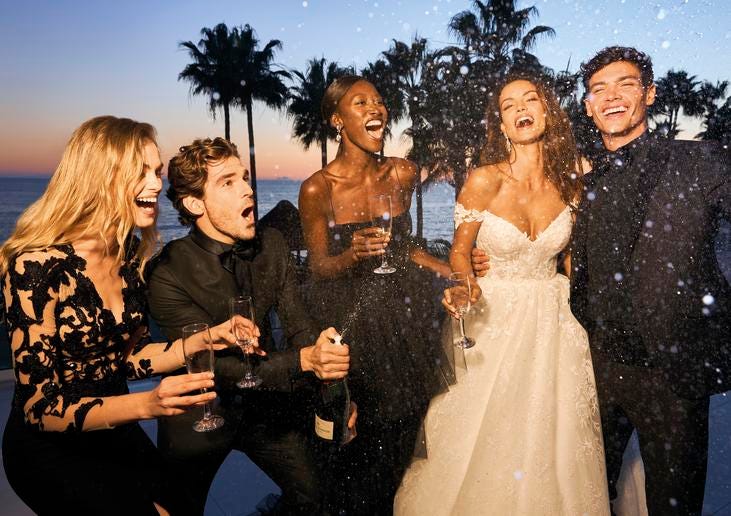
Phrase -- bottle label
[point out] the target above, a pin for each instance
(324, 429)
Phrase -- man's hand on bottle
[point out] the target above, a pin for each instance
(329, 361)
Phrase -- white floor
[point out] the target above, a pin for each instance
(240, 485)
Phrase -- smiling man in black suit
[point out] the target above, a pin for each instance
(647, 286)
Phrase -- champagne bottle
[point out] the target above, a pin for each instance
(333, 409)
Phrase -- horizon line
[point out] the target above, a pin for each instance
(14, 174)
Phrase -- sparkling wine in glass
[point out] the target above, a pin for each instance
(460, 291)
(381, 211)
(201, 361)
(244, 306)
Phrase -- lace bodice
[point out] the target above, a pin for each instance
(513, 255)
(68, 349)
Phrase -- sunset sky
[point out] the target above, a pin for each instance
(63, 61)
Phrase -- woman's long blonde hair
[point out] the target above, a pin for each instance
(91, 193)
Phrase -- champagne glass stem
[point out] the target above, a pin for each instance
(461, 327)
(207, 411)
(247, 364)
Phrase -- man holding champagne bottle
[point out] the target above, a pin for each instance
(193, 280)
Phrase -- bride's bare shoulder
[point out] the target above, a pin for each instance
(482, 185)
(486, 178)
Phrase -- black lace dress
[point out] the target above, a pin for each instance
(70, 353)
(392, 327)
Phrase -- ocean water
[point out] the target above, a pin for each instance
(16, 193)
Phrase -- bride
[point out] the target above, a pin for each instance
(520, 432)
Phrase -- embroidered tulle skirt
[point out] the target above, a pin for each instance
(520, 431)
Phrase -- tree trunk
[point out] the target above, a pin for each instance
(252, 157)
(227, 121)
(674, 123)
(323, 149)
(419, 204)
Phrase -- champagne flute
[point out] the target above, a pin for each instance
(380, 206)
(201, 361)
(244, 306)
(460, 291)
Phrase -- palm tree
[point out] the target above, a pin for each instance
(454, 111)
(717, 121)
(382, 77)
(675, 91)
(710, 93)
(257, 80)
(496, 31)
(407, 69)
(306, 100)
(213, 70)
(718, 125)
(495, 37)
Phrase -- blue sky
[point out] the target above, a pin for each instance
(66, 61)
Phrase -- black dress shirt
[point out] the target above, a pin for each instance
(617, 190)
(193, 278)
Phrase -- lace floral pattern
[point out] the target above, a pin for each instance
(520, 431)
(68, 350)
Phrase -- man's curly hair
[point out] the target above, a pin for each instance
(610, 55)
(188, 172)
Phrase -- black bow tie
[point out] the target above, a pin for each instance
(619, 158)
(241, 251)
(237, 261)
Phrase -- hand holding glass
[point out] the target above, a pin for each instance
(460, 291)
(244, 306)
(381, 210)
(200, 361)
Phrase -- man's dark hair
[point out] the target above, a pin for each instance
(187, 172)
(610, 55)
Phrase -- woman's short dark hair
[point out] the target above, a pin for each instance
(336, 91)
(609, 55)
(188, 172)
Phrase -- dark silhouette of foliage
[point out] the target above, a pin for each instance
(213, 71)
(676, 91)
(305, 102)
(258, 80)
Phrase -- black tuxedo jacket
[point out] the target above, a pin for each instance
(188, 284)
(679, 298)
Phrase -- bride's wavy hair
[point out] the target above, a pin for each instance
(91, 193)
(561, 159)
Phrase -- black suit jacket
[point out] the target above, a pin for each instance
(188, 284)
(680, 300)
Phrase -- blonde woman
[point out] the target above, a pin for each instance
(77, 323)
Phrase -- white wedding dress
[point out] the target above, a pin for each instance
(519, 433)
